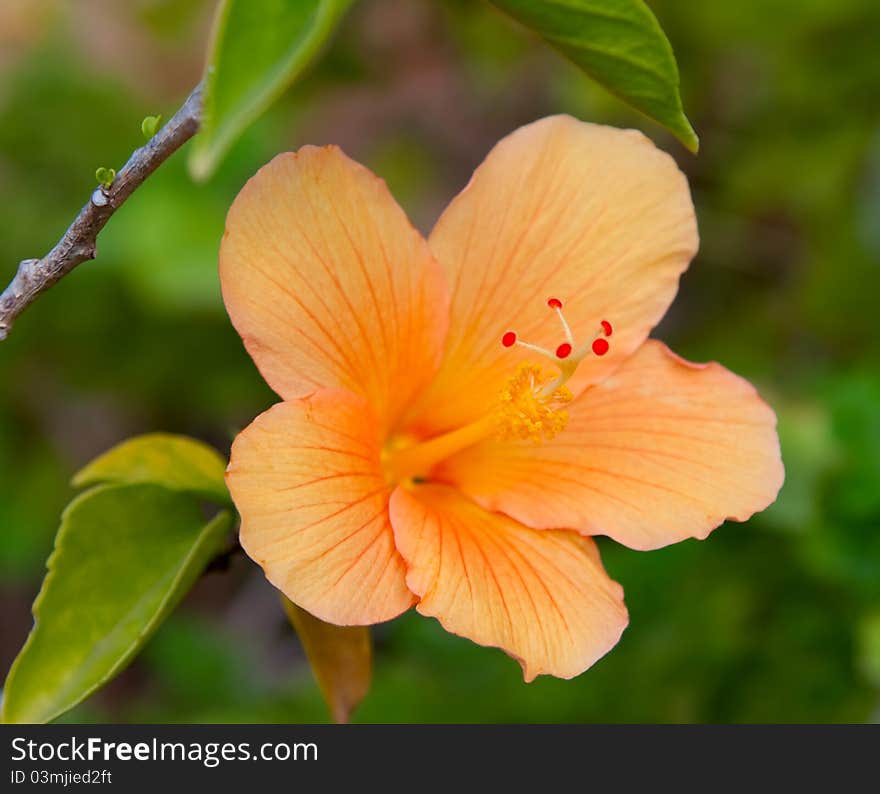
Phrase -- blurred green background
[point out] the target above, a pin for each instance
(774, 620)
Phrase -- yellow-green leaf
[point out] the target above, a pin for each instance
(150, 126)
(124, 556)
(341, 658)
(105, 176)
(620, 44)
(258, 48)
(178, 463)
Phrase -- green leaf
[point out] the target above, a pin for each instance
(150, 126)
(259, 47)
(341, 658)
(178, 463)
(620, 44)
(124, 556)
(105, 176)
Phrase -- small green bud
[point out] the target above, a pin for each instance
(105, 176)
(150, 125)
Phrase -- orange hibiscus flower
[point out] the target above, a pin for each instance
(424, 454)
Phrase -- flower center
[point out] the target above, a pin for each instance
(529, 407)
(530, 402)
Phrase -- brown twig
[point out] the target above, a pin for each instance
(79, 243)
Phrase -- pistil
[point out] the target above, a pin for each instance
(531, 406)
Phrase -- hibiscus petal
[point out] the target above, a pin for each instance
(661, 451)
(328, 283)
(541, 596)
(307, 480)
(594, 216)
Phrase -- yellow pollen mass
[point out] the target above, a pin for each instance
(526, 410)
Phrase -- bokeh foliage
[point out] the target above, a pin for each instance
(775, 620)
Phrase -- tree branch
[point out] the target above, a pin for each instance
(79, 243)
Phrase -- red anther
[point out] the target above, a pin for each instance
(554, 303)
(606, 327)
(600, 346)
(563, 351)
(509, 339)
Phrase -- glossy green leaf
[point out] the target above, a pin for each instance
(178, 463)
(341, 658)
(123, 558)
(259, 47)
(620, 44)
